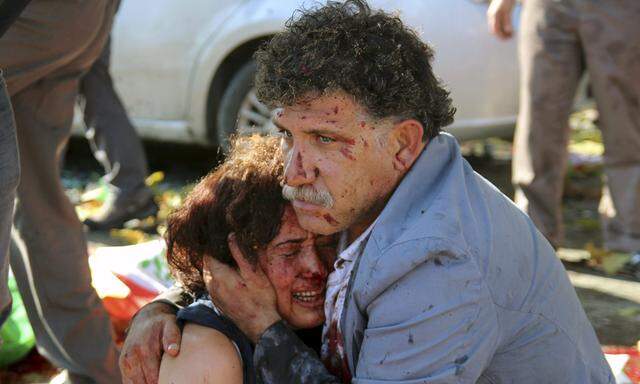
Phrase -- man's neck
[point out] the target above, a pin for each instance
(358, 228)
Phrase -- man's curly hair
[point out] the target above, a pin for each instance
(369, 54)
(243, 196)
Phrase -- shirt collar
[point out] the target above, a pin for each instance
(350, 252)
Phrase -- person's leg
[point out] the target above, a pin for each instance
(550, 69)
(610, 32)
(49, 252)
(9, 176)
(117, 147)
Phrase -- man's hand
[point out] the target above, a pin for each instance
(499, 18)
(152, 331)
(246, 296)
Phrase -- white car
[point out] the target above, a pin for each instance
(184, 69)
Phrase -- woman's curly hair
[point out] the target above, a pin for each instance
(242, 195)
(368, 54)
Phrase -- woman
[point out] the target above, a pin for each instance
(239, 208)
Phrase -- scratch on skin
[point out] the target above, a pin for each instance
(363, 124)
(336, 110)
(346, 152)
(330, 219)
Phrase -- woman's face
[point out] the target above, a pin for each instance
(297, 264)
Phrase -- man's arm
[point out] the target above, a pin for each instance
(152, 332)
(281, 357)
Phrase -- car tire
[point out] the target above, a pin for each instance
(240, 112)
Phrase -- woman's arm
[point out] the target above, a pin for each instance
(206, 356)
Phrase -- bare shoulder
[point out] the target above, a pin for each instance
(206, 356)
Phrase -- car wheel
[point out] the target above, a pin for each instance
(240, 111)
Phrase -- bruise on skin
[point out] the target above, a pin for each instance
(330, 219)
(336, 110)
(365, 143)
(303, 118)
(363, 124)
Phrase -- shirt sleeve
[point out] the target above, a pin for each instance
(437, 324)
(281, 357)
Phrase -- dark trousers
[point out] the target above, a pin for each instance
(44, 55)
(113, 139)
(9, 176)
(560, 40)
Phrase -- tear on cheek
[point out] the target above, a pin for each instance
(330, 219)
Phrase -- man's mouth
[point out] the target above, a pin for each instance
(309, 298)
(305, 206)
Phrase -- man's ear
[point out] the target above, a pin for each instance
(407, 137)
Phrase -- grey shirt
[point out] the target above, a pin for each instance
(455, 285)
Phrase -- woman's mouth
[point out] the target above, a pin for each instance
(309, 298)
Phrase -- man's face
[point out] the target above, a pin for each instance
(297, 263)
(333, 148)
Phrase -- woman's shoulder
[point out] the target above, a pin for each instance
(206, 356)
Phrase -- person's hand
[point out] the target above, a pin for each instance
(499, 18)
(246, 296)
(153, 331)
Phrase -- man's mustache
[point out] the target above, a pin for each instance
(308, 194)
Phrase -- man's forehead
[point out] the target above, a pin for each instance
(330, 112)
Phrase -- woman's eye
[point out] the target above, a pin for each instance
(325, 139)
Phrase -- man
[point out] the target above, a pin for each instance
(116, 145)
(443, 280)
(43, 55)
(559, 40)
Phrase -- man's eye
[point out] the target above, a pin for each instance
(325, 139)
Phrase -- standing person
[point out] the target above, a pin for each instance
(44, 54)
(116, 145)
(9, 163)
(559, 41)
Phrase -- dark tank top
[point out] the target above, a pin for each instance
(202, 313)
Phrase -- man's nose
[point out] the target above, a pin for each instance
(298, 170)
